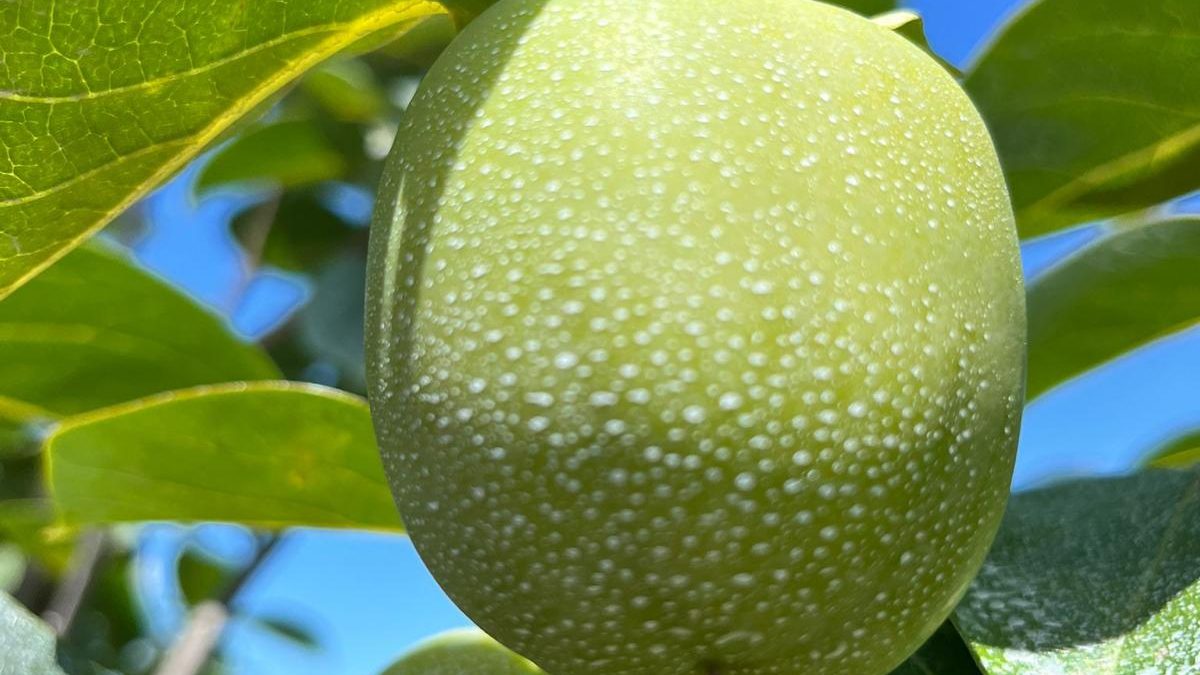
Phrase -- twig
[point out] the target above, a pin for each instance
(197, 642)
(259, 223)
(195, 645)
(34, 588)
(81, 572)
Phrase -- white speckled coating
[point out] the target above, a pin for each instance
(696, 336)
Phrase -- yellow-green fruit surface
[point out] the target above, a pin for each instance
(696, 336)
(463, 652)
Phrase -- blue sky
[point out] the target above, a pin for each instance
(368, 597)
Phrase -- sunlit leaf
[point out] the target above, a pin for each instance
(461, 652)
(95, 330)
(1095, 107)
(26, 644)
(1118, 293)
(1093, 577)
(266, 454)
(1181, 453)
(101, 101)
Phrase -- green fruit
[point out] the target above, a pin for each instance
(462, 652)
(696, 334)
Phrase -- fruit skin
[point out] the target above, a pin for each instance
(696, 336)
(462, 652)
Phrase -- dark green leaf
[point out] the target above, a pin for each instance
(26, 644)
(281, 154)
(420, 46)
(1095, 107)
(330, 327)
(945, 653)
(1118, 293)
(26, 516)
(304, 232)
(348, 90)
(266, 454)
(867, 7)
(106, 623)
(101, 101)
(1181, 453)
(466, 10)
(462, 652)
(1092, 577)
(95, 330)
(288, 629)
(20, 478)
(200, 576)
(911, 26)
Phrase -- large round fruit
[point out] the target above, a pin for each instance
(696, 336)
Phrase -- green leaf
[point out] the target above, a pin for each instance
(462, 652)
(330, 326)
(911, 27)
(945, 653)
(347, 88)
(108, 621)
(29, 524)
(867, 7)
(1118, 293)
(269, 454)
(26, 516)
(101, 101)
(420, 47)
(18, 427)
(1092, 577)
(304, 233)
(26, 644)
(281, 154)
(1094, 106)
(200, 576)
(464, 11)
(289, 630)
(1181, 453)
(13, 565)
(95, 330)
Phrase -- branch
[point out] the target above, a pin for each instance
(195, 645)
(258, 228)
(81, 572)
